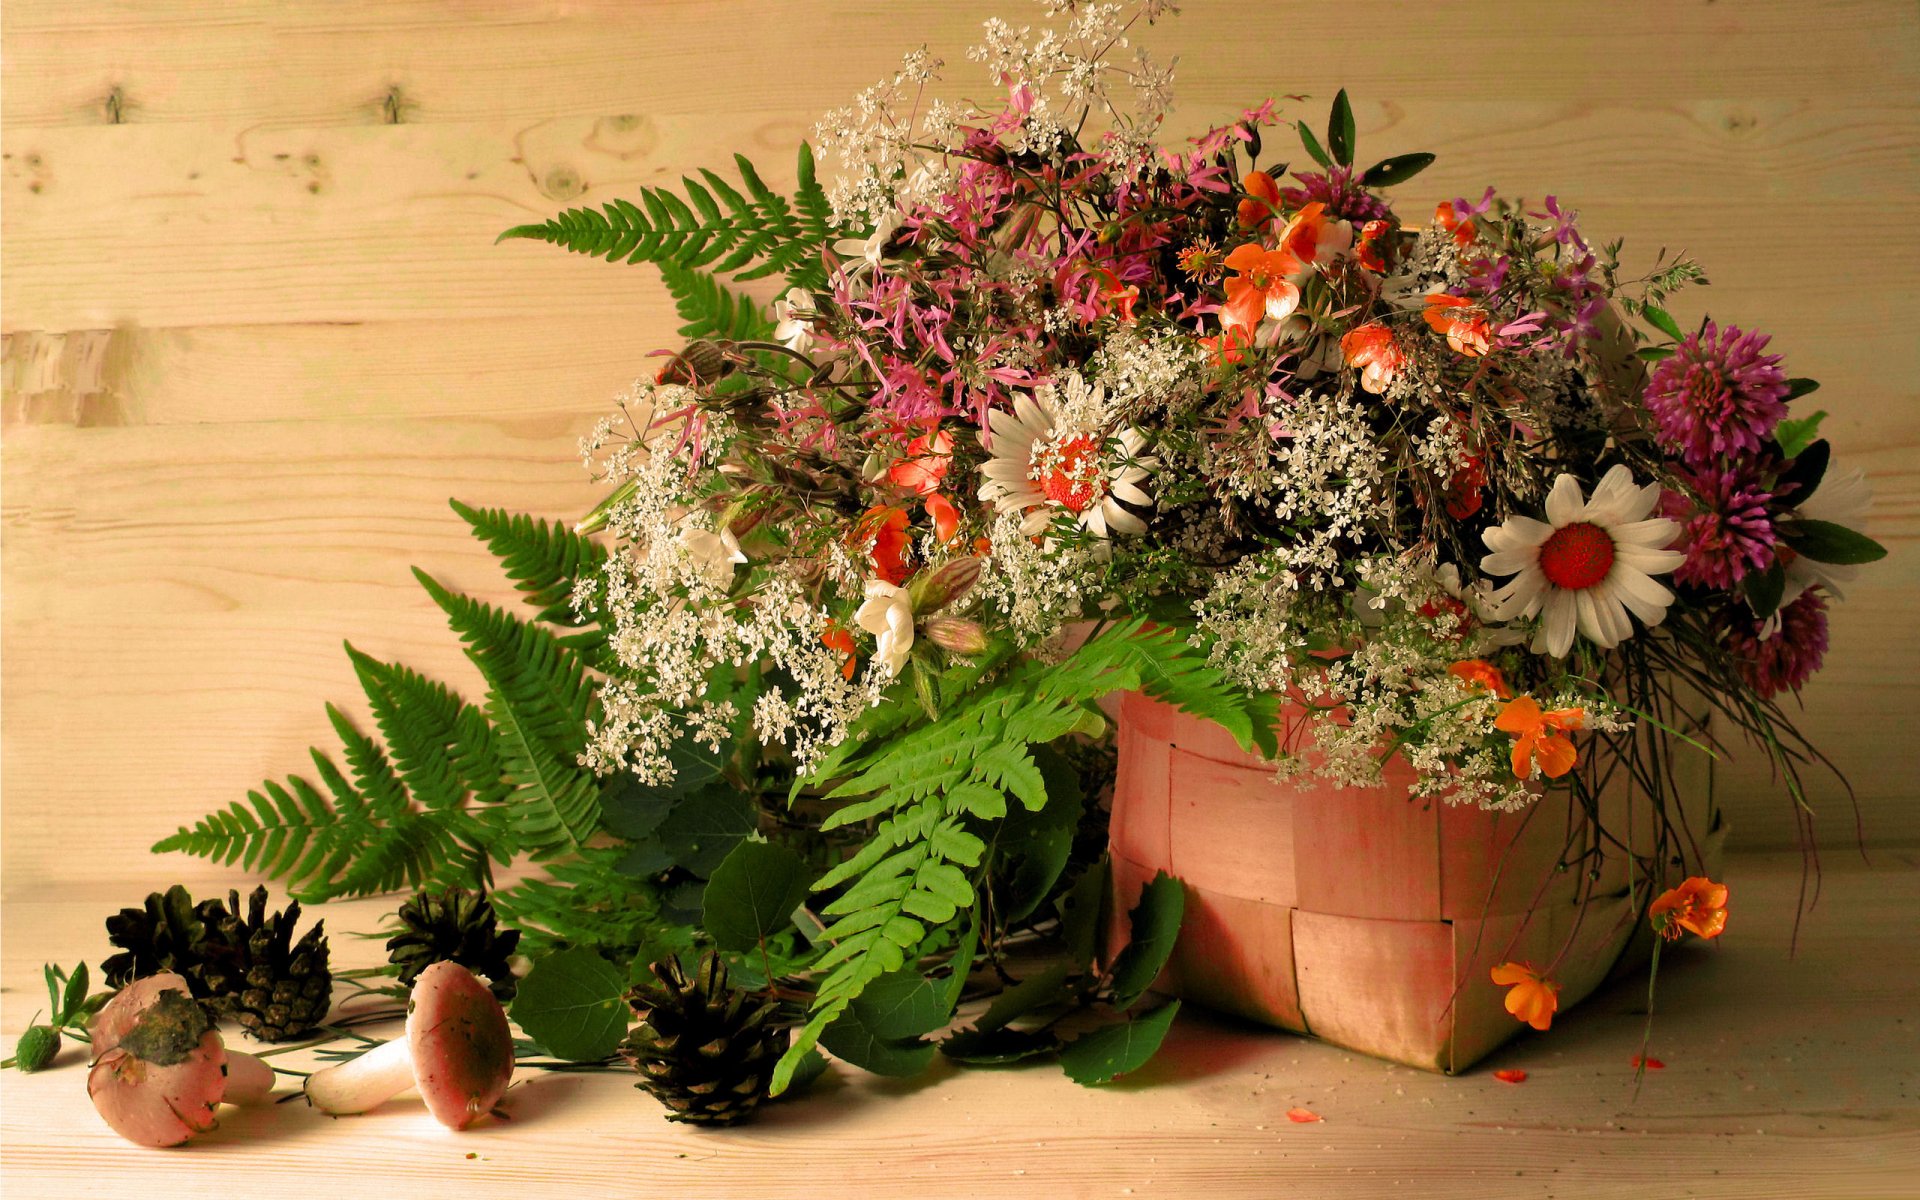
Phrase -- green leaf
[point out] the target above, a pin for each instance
(1795, 434)
(1082, 910)
(1312, 143)
(633, 809)
(703, 829)
(74, 999)
(997, 1047)
(812, 1066)
(1764, 589)
(1155, 924)
(1797, 388)
(1042, 990)
(1113, 1050)
(851, 1039)
(1340, 130)
(1826, 542)
(751, 895)
(571, 1004)
(1396, 170)
(1802, 477)
(1653, 353)
(709, 310)
(1032, 848)
(1662, 320)
(903, 1004)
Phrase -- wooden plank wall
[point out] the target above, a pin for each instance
(257, 331)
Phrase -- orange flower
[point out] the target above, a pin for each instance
(1371, 348)
(928, 457)
(1259, 287)
(836, 638)
(1462, 230)
(1539, 737)
(1262, 201)
(1698, 904)
(1462, 322)
(1230, 348)
(1533, 999)
(1368, 250)
(884, 529)
(946, 518)
(1482, 672)
(1313, 237)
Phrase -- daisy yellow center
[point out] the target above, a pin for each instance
(1068, 472)
(1577, 557)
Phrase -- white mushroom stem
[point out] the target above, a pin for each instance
(362, 1083)
(249, 1079)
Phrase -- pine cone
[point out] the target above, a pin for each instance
(455, 925)
(703, 1049)
(171, 933)
(277, 990)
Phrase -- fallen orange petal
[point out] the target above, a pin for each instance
(1651, 1064)
(1510, 1075)
(1302, 1116)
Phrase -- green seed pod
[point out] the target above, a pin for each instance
(36, 1048)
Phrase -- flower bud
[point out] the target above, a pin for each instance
(36, 1048)
(955, 634)
(699, 362)
(935, 590)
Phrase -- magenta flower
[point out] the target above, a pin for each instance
(1726, 530)
(1340, 191)
(1717, 395)
(1787, 659)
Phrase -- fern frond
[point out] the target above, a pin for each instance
(748, 235)
(543, 558)
(539, 699)
(710, 310)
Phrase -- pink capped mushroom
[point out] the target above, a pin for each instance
(458, 1053)
(160, 1069)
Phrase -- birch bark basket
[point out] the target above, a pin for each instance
(1371, 918)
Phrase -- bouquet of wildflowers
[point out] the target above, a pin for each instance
(1046, 407)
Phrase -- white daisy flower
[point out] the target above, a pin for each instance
(887, 614)
(1042, 462)
(790, 330)
(1587, 565)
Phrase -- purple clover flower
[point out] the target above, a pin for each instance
(1340, 191)
(1785, 661)
(1730, 532)
(1717, 395)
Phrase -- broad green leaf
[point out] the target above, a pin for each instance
(1797, 433)
(1826, 542)
(1032, 848)
(633, 810)
(1340, 130)
(1653, 353)
(1035, 992)
(812, 1065)
(1398, 169)
(1312, 143)
(902, 1004)
(571, 1003)
(995, 1047)
(705, 827)
(850, 1038)
(1081, 910)
(1803, 475)
(751, 895)
(1113, 1050)
(75, 997)
(1797, 388)
(1155, 924)
(1662, 320)
(1764, 589)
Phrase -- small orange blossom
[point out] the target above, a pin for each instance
(1259, 287)
(1698, 904)
(1262, 202)
(1533, 999)
(1481, 672)
(1462, 322)
(1540, 737)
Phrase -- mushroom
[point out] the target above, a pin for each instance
(160, 1069)
(458, 1053)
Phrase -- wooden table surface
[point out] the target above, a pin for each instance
(255, 332)
(1792, 1077)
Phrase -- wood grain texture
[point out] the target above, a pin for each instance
(257, 330)
(1756, 1100)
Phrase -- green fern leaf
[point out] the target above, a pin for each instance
(748, 235)
(539, 700)
(710, 310)
(543, 559)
